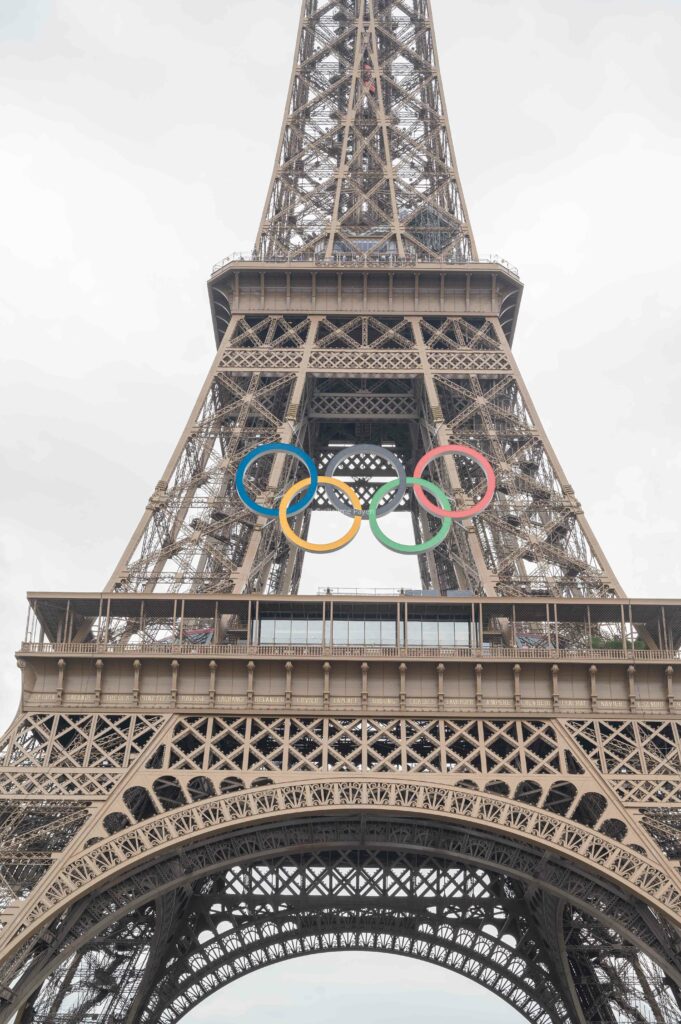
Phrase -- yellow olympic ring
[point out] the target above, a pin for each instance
(320, 549)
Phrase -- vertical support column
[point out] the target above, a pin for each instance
(250, 684)
(593, 678)
(555, 687)
(255, 560)
(516, 686)
(99, 667)
(327, 684)
(61, 665)
(365, 685)
(609, 577)
(485, 578)
(137, 669)
(478, 687)
(631, 678)
(289, 684)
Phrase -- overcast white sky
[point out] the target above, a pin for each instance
(136, 143)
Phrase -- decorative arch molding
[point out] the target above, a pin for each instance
(147, 861)
(155, 887)
(89, 868)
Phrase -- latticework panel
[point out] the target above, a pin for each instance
(71, 741)
(325, 382)
(54, 769)
(195, 534)
(638, 748)
(533, 537)
(288, 743)
(365, 164)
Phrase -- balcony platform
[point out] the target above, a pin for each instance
(334, 654)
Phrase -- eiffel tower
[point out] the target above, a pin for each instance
(209, 773)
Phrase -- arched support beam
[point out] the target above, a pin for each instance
(411, 833)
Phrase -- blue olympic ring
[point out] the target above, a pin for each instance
(267, 449)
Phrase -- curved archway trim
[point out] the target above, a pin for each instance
(107, 859)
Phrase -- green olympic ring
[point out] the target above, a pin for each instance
(409, 549)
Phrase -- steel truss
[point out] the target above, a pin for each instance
(328, 382)
(365, 162)
(485, 908)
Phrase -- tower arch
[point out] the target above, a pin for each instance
(462, 894)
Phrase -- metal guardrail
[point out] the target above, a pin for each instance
(366, 592)
(356, 260)
(355, 651)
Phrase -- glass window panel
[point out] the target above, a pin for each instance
(341, 633)
(267, 632)
(388, 634)
(299, 631)
(373, 634)
(448, 634)
(463, 634)
(356, 633)
(314, 631)
(414, 634)
(282, 631)
(430, 634)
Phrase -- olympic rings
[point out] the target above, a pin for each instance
(410, 549)
(386, 456)
(258, 453)
(377, 509)
(320, 549)
(466, 513)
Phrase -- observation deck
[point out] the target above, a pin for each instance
(351, 285)
(330, 654)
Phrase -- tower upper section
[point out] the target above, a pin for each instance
(365, 165)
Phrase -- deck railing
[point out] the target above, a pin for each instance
(244, 650)
(358, 260)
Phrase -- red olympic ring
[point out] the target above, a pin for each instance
(456, 449)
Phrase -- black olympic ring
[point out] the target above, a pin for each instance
(367, 449)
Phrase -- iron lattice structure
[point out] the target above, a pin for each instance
(209, 773)
(365, 163)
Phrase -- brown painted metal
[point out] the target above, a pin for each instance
(209, 772)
